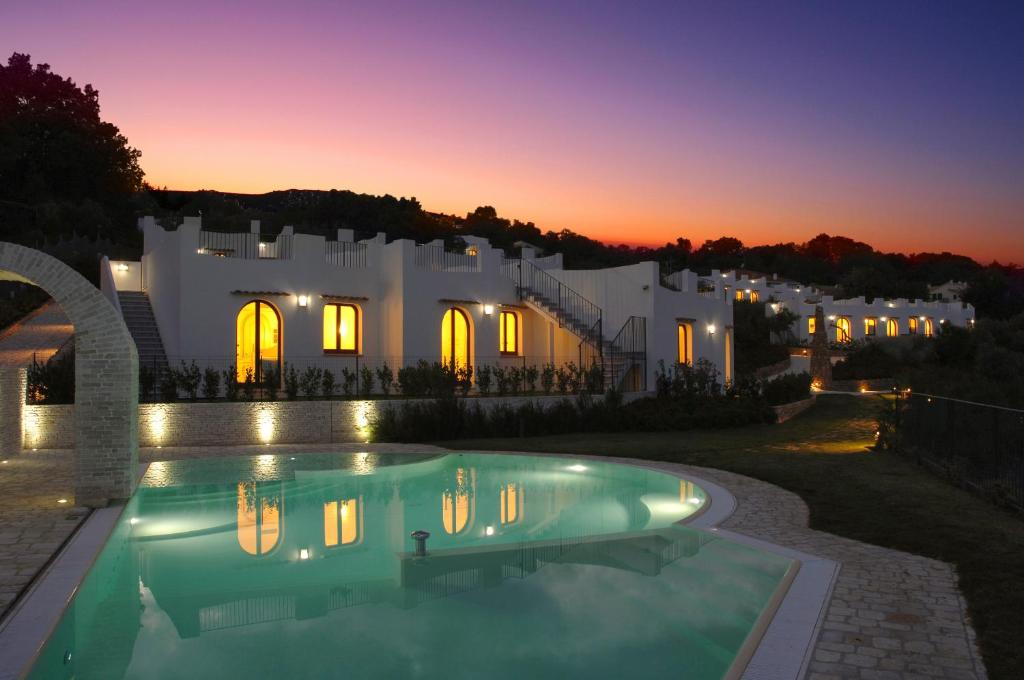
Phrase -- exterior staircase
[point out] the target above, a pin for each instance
(138, 316)
(623, 359)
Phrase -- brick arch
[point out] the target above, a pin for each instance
(106, 375)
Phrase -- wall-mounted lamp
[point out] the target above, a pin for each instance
(304, 554)
(883, 319)
(303, 301)
(747, 291)
(798, 290)
(488, 309)
(122, 267)
(921, 317)
(832, 317)
(711, 329)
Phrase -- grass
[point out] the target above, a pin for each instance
(871, 496)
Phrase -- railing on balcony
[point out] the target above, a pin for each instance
(437, 259)
(626, 357)
(345, 254)
(245, 246)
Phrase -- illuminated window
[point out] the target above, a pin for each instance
(912, 325)
(811, 325)
(341, 328)
(739, 294)
(343, 522)
(455, 338)
(929, 328)
(511, 503)
(754, 297)
(843, 329)
(684, 342)
(870, 325)
(259, 518)
(258, 342)
(728, 356)
(508, 332)
(456, 504)
(687, 490)
(892, 328)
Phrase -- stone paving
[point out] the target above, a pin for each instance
(892, 615)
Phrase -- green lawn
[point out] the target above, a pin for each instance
(876, 497)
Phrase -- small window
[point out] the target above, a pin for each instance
(341, 328)
(811, 325)
(870, 326)
(912, 325)
(508, 332)
(929, 328)
(684, 342)
(843, 329)
(343, 521)
(892, 328)
(754, 297)
(739, 294)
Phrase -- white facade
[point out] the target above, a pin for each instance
(197, 283)
(848, 319)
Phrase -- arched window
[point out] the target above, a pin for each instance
(684, 342)
(929, 327)
(457, 503)
(728, 356)
(843, 329)
(754, 296)
(455, 338)
(508, 333)
(511, 503)
(259, 518)
(912, 325)
(341, 328)
(892, 328)
(343, 522)
(258, 342)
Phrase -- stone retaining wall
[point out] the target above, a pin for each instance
(784, 412)
(228, 423)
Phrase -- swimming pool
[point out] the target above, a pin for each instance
(303, 566)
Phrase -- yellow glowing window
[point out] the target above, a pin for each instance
(870, 326)
(912, 325)
(258, 342)
(341, 328)
(508, 332)
(754, 297)
(511, 503)
(892, 328)
(684, 343)
(686, 490)
(343, 521)
(259, 519)
(455, 338)
(456, 503)
(739, 294)
(811, 325)
(929, 328)
(843, 329)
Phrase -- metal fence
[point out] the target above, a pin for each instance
(246, 246)
(345, 254)
(978, 445)
(437, 259)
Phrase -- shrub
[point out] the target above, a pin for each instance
(211, 383)
(787, 388)
(547, 378)
(348, 382)
(593, 379)
(291, 382)
(169, 386)
(563, 379)
(310, 381)
(231, 383)
(189, 379)
(386, 378)
(501, 379)
(249, 385)
(52, 382)
(365, 381)
(327, 385)
(271, 383)
(147, 381)
(530, 374)
(464, 379)
(483, 379)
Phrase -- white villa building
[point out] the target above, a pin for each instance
(849, 319)
(257, 303)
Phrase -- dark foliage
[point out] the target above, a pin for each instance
(787, 388)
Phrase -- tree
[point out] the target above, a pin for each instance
(57, 156)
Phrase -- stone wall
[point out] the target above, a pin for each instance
(237, 423)
(784, 412)
(12, 400)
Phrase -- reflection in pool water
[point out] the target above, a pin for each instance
(536, 567)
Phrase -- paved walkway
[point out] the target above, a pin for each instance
(892, 615)
(41, 333)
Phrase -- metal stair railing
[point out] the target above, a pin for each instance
(626, 364)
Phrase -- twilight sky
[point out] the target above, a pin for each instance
(900, 124)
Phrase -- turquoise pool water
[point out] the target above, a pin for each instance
(303, 567)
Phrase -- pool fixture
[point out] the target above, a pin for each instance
(421, 536)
